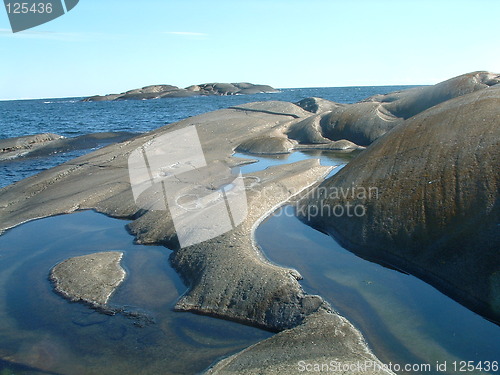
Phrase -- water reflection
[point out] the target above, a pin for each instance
(327, 158)
(404, 320)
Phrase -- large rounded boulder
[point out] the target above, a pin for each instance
(364, 122)
(425, 199)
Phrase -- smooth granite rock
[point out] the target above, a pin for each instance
(18, 146)
(89, 278)
(259, 293)
(308, 130)
(436, 209)
(227, 275)
(267, 145)
(318, 105)
(368, 120)
(48, 144)
(342, 145)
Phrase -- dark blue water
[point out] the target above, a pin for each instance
(70, 118)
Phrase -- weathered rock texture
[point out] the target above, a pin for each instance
(364, 122)
(229, 278)
(321, 343)
(47, 144)
(89, 278)
(259, 292)
(19, 145)
(437, 210)
(169, 91)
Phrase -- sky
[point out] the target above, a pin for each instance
(110, 46)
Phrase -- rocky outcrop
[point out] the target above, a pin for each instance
(318, 105)
(259, 293)
(266, 145)
(169, 91)
(428, 192)
(47, 144)
(324, 343)
(364, 122)
(17, 145)
(89, 278)
(435, 215)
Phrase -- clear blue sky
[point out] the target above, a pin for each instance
(107, 46)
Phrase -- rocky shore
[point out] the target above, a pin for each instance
(433, 158)
(47, 144)
(169, 91)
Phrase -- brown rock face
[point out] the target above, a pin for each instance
(433, 208)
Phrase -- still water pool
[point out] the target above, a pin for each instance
(42, 333)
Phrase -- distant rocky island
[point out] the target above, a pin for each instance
(169, 91)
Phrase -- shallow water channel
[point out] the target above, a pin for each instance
(405, 321)
(42, 333)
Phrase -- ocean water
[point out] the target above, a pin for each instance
(70, 117)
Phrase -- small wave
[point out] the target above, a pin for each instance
(59, 101)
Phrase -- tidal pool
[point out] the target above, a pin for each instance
(327, 158)
(42, 333)
(404, 320)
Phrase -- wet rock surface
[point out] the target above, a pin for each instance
(227, 276)
(324, 343)
(364, 122)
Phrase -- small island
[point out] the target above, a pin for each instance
(169, 91)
